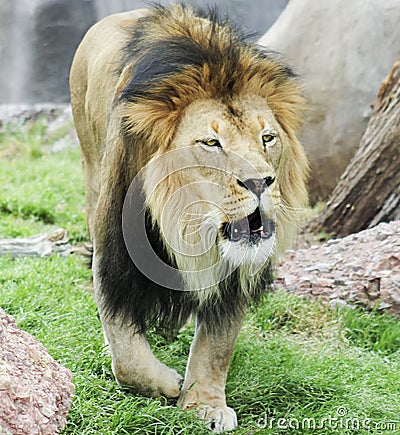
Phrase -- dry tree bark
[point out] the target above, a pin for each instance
(42, 245)
(368, 192)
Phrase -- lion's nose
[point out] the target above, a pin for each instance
(257, 185)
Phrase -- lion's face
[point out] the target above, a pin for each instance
(216, 193)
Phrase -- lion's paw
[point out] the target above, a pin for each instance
(153, 381)
(169, 382)
(218, 419)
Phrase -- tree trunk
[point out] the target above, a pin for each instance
(368, 192)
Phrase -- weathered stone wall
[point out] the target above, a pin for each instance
(38, 39)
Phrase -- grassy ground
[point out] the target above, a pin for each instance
(297, 367)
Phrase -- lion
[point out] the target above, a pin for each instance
(194, 180)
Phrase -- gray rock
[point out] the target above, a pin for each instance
(37, 40)
(384, 306)
(323, 267)
(343, 50)
(337, 304)
(367, 272)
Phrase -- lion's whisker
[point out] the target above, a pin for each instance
(188, 234)
(191, 220)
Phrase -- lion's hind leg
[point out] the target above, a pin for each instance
(134, 364)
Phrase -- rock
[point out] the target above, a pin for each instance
(395, 296)
(343, 50)
(359, 269)
(389, 263)
(323, 282)
(382, 236)
(384, 306)
(323, 267)
(337, 304)
(373, 288)
(35, 391)
(332, 242)
(21, 113)
(37, 41)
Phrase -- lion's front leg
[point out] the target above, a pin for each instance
(206, 374)
(134, 364)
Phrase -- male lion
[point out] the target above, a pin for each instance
(194, 178)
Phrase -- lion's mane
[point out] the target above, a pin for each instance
(172, 58)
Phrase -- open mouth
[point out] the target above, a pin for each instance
(252, 227)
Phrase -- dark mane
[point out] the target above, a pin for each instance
(178, 47)
(146, 304)
(174, 57)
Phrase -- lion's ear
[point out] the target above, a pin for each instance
(293, 175)
(289, 107)
(153, 120)
(157, 113)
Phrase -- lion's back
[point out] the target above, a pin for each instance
(94, 76)
(95, 73)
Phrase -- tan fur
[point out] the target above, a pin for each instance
(195, 109)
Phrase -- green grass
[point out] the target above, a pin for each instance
(39, 188)
(296, 363)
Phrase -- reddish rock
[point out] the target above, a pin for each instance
(35, 391)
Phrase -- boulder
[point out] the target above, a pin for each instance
(343, 50)
(35, 391)
(359, 270)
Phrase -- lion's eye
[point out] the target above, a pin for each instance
(211, 142)
(268, 139)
